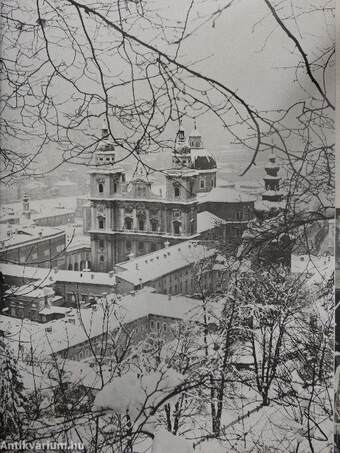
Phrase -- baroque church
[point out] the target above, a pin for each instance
(128, 218)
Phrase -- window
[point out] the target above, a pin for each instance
(101, 244)
(152, 325)
(177, 191)
(158, 325)
(76, 266)
(153, 246)
(128, 245)
(100, 187)
(239, 215)
(164, 327)
(140, 246)
(101, 258)
(177, 228)
(70, 267)
(128, 223)
(101, 223)
(141, 224)
(202, 183)
(115, 187)
(154, 224)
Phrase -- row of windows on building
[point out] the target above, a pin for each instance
(141, 224)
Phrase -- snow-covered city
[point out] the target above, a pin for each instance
(167, 227)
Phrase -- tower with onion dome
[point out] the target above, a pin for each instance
(272, 179)
(189, 153)
(267, 240)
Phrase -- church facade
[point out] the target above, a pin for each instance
(129, 219)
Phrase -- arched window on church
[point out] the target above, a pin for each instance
(128, 223)
(154, 225)
(141, 224)
(101, 223)
(100, 187)
(177, 227)
(177, 191)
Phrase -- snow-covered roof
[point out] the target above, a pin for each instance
(154, 265)
(224, 195)
(57, 275)
(31, 290)
(207, 221)
(60, 334)
(13, 236)
(54, 309)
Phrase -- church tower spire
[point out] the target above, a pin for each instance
(105, 155)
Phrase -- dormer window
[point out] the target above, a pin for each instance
(100, 187)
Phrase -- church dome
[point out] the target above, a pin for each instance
(202, 160)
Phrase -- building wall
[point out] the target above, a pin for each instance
(206, 181)
(44, 252)
(133, 333)
(115, 241)
(74, 292)
(183, 281)
(55, 220)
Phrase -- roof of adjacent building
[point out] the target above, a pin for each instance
(207, 221)
(49, 276)
(17, 235)
(154, 265)
(81, 324)
(225, 195)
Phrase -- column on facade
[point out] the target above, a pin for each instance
(121, 216)
(147, 218)
(107, 218)
(93, 217)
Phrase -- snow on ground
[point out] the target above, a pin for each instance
(165, 442)
(136, 394)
